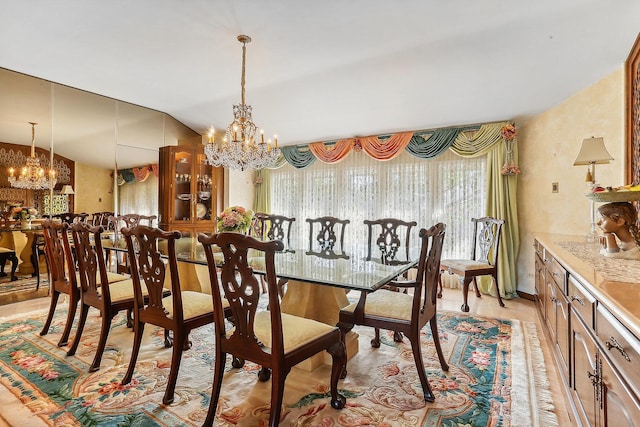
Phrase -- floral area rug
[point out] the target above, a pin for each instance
(496, 378)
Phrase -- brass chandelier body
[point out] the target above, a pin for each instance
(239, 149)
(32, 176)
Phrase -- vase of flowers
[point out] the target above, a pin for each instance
(509, 133)
(234, 218)
(24, 215)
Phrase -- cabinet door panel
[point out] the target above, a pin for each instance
(584, 352)
(621, 409)
(562, 331)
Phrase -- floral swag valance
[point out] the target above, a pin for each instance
(468, 141)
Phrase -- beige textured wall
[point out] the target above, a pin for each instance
(548, 146)
(93, 189)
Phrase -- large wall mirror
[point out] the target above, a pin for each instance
(99, 134)
(99, 140)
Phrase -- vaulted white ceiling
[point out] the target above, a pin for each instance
(322, 70)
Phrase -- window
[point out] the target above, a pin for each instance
(448, 189)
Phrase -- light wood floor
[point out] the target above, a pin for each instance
(520, 309)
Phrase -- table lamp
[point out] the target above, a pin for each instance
(592, 152)
(67, 189)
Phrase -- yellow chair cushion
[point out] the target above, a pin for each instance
(194, 304)
(122, 290)
(385, 303)
(296, 331)
(6, 250)
(464, 265)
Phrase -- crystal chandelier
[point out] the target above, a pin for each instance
(239, 148)
(32, 176)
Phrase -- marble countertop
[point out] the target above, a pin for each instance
(614, 282)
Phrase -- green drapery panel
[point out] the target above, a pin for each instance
(262, 195)
(501, 200)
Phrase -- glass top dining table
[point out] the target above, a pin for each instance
(351, 268)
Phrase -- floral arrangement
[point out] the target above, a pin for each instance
(234, 218)
(508, 132)
(510, 169)
(22, 212)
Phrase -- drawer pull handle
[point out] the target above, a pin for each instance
(577, 299)
(612, 343)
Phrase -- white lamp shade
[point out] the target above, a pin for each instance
(67, 189)
(592, 151)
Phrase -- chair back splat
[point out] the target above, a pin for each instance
(273, 227)
(266, 336)
(407, 312)
(483, 261)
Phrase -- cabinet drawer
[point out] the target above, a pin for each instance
(537, 246)
(558, 273)
(581, 301)
(620, 345)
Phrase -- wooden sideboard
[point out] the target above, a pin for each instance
(590, 306)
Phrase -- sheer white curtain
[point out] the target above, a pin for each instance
(448, 189)
(139, 197)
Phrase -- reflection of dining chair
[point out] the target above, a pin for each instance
(70, 217)
(275, 340)
(179, 313)
(101, 218)
(406, 312)
(326, 237)
(37, 249)
(62, 275)
(392, 239)
(95, 289)
(483, 261)
(7, 253)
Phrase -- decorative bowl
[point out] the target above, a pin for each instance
(184, 197)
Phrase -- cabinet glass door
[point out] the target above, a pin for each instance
(182, 183)
(203, 194)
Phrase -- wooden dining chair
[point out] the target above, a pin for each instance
(392, 240)
(483, 260)
(272, 227)
(62, 275)
(95, 288)
(178, 313)
(326, 233)
(275, 340)
(406, 312)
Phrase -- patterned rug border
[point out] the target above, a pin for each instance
(533, 382)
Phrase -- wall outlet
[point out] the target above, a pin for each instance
(554, 187)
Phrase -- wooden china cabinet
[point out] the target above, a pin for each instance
(190, 190)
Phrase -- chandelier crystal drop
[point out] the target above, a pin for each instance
(32, 176)
(239, 148)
